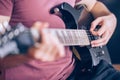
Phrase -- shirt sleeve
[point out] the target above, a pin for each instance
(6, 7)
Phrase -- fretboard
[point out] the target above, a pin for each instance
(69, 37)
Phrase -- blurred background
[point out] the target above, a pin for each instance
(114, 43)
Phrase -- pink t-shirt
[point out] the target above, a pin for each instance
(27, 12)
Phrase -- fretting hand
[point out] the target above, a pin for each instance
(49, 48)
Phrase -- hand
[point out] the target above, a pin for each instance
(49, 49)
(108, 24)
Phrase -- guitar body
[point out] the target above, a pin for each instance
(80, 18)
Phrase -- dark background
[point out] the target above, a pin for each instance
(114, 43)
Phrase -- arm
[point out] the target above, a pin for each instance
(48, 49)
(104, 18)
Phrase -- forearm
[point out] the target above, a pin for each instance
(99, 9)
(95, 7)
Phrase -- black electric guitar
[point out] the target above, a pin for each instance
(76, 35)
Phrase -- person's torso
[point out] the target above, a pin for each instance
(28, 12)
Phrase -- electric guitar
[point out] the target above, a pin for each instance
(76, 35)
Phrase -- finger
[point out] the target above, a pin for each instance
(52, 54)
(43, 25)
(35, 30)
(44, 34)
(57, 49)
(59, 46)
(39, 53)
(49, 53)
(101, 30)
(45, 38)
(94, 24)
(39, 25)
(2, 29)
(61, 50)
(6, 25)
(101, 41)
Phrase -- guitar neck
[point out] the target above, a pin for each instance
(70, 37)
(21, 38)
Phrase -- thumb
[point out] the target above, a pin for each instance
(96, 22)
